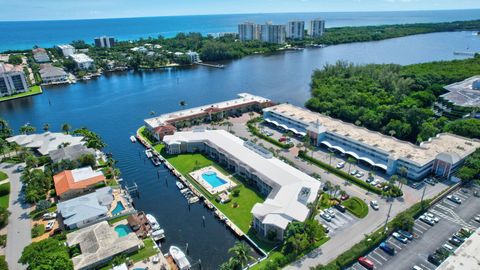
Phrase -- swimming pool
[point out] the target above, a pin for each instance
(122, 230)
(212, 179)
(118, 208)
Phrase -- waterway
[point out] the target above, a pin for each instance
(115, 105)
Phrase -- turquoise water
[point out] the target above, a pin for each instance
(213, 179)
(122, 230)
(118, 209)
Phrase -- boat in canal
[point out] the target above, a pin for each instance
(133, 139)
(180, 258)
(156, 161)
(148, 153)
(179, 185)
(153, 222)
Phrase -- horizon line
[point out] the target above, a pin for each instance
(241, 13)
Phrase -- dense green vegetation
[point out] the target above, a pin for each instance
(4, 195)
(37, 184)
(3, 176)
(3, 263)
(392, 99)
(356, 206)
(49, 254)
(338, 35)
(470, 170)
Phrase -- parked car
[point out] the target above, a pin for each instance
(434, 259)
(375, 182)
(454, 241)
(325, 228)
(326, 216)
(454, 199)
(365, 262)
(345, 197)
(50, 215)
(416, 267)
(459, 237)
(449, 248)
(477, 218)
(340, 165)
(374, 205)
(387, 248)
(433, 217)
(330, 212)
(408, 235)
(427, 220)
(430, 181)
(340, 207)
(400, 237)
(50, 225)
(353, 172)
(282, 139)
(359, 175)
(369, 179)
(20, 168)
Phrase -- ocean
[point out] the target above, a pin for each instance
(25, 34)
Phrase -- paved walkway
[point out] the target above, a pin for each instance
(19, 223)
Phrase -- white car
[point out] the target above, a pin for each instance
(416, 267)
(50, 225)
(400, 237)
(330, 212)
(434, 218)
(375, 182)
(359, 175)
(374, 205)
(353, 172)
(50, 215)
(325, 216)
(340, 165)
(427, 220)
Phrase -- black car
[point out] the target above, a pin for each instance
(340, 208)
(454, 241)
(434, 259)
(406, 234)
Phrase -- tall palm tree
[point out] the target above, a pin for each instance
(350, 161)
(331, 154)
(5, 130)
(336, 188)
(27, 129)
(66, 128)
(46, 127)
(240, 252)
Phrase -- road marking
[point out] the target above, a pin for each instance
(424, 226)
(372, 258)
(378, 254)
(418, 234)
(391, 243)
(463, 196)
(425, 267)
(450, 203)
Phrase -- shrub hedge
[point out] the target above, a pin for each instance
(5, 189)
(254, 131)
(340, 173)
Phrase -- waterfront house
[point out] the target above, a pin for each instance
(12, 80)
(70, 152)
(72, 183)
(87, 209)
(46, 142)
(53, 75)
(440, 155)
(82, 61)
(288, 190)
(66, 49)
(40, 55)
(100, 243)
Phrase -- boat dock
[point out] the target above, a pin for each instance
(211, 65)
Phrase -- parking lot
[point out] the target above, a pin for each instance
(427, 238)
(341, 222)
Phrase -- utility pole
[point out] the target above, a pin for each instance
(423, 195)
(388, 216)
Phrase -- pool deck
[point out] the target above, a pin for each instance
(197, 175)
(119, 196)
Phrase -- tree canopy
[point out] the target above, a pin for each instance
(48, 254)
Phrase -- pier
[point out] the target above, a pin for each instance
(210, 65)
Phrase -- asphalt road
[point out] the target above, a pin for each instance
(19, 223)
(428, 238)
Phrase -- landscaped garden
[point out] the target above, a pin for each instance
(356, 206)
(3, 176)
(4, 195)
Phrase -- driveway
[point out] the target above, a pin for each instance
(19, 223)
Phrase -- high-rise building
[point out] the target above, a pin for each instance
(317, 28)
(104, 42)
(248, 31)
(273, 33)
(12, 80)
(296, 30)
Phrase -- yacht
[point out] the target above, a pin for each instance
(156, 161)
(180, 185)
(153, 222)
(148, 153)
(180, 258)
(133, 139)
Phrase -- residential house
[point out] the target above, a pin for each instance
(72, 183)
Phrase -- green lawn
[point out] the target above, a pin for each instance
(356, 206)
(241, 215)
(146, 252)
(3, 176)
(34, 90)
(5, 188)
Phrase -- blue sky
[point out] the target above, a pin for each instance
(79, 9)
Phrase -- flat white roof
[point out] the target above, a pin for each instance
(419, 154)
(81, 58)
(163, 119)
(84, 173)
(466, 257)
(46, 142)
(462, 93)
(291, 191)
(65, 46)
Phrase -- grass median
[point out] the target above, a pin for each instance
(356, 206)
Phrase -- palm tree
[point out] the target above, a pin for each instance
(328, 185)
(240, 252)
(5, 130)
(66, 128)
(393, 180)
(3, 146)
(46, 127)
(331, 154)
(336, 188)
(403, 171)
(350, 161)
(251, 114)
(27, 129)
(402, 181)
(182, 103)
(392, 132)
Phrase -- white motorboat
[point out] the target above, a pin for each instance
(180, 185)
(180, 258)
(133, 139)
(158, 235)
(148, 153)
(153, 222)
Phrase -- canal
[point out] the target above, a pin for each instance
(115, 105)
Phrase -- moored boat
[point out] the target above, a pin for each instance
(156, 161)
(153, 222)
(133, 139)
(180, 185)
(180, 258)
(148, 153)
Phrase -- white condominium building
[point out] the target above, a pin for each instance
(288, 190)
(273, 33)
(317, 28)
(249, 31)
(66, 49)
(82, 61)
(12, 80)
(296, 30)
(440, 155)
